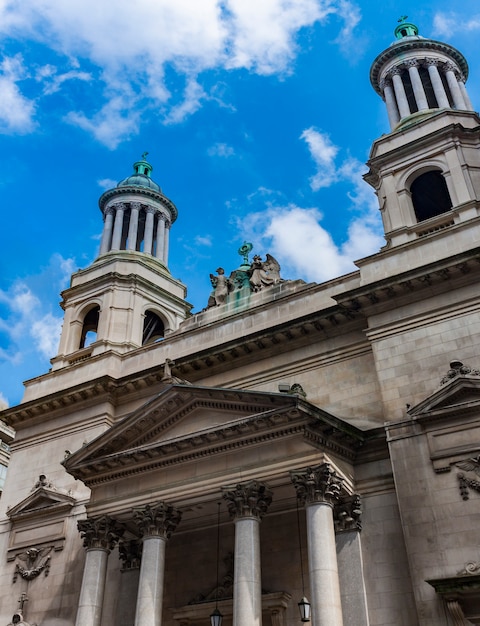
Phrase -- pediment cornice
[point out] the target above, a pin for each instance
(141, 441)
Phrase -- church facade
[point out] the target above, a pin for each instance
(292, 446)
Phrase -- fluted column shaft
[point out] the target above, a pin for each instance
(156, 523)
(107, 231)
(417, 85)
(437, 84)
(118, 226)
(99, 537)
(133, 225)
(319, 489)
(165, 245)
(148, 241)
(452, 81)
(466, 97)
(160, 237)
(392, 110)
(247, 503)
(400, 95)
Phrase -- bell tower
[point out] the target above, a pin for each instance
(426, 170)
(127, 298)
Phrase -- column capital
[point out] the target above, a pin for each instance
(347, 514)
(100, 532)
(394, 71)
(119, 206)
(317, 484)
(432, 61)
(130, 553)
(136, 205)
(451, 67)
(150, 209)
(411, 63)
(249, 499)
(157, 520)
(110, 210)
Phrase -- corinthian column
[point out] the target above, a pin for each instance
(247, 503)
(392, 110)
(156, 522)
(160, 237)
(148, 239)
(318, 489)
(400, 95)
(436, 80)
(99, 535)
(118, 226)
(450, 73)
(417, 85)
(133, 225)
(107, 230)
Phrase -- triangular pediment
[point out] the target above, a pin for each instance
(459, 394)
(42, 501)
(186, 422)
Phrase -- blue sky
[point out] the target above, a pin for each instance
(257, 116)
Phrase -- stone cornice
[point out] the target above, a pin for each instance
(430, 276)
(297, 419)
(407, 44)
(139, 191)
(451, 130)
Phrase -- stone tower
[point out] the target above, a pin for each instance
(127, 297)
(426, 171)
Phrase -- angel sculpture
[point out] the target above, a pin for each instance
(470, 465)
(36, 560)
(17, 620)
(264, 273)
(221, 285)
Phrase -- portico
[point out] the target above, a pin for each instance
(175, 520)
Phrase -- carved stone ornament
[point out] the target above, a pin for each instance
(250, 499)
(225, 586)
(347, 514)
(464, 482)
(457, 368)
(157, 520)
(317, 484)
(101, 532)
(130, 553)
(33, 562)
(472, 568)
(254, 276)
(17, 620)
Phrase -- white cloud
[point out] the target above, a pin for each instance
(203, 241)
(46, 333)
(27, 324)
(130, 67)
(296, 235)
(193, 96)
(107, 183)
(3, 402)
(446, 24)
(16, 111)
(221, 150)
(323, 152)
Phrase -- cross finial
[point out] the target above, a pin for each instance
(144, 156)
(22, 600)
(402, 18)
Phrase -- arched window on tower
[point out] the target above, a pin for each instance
(90, 327)
(430, 195)
(153, 328)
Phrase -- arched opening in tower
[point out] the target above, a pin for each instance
(90, 327)
(430, 195)
(153, 328)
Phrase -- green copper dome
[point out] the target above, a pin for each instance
(405, 29)
(141, 176)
